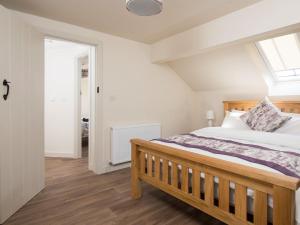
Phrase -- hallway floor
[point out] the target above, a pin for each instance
(75, 196)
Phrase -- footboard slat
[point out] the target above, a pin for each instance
(174, 176)
(284, 206)
(165, 171)
(189, 170)
(223, 194)
(157, 168)
(184, 179)
(142, 163)
(149, 165)
(196, 183)
(209, 189)
(240, 201)
(260, 208)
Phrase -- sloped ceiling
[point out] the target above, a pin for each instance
(111, 16)
(234, 67)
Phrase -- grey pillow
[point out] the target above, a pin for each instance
(264, 117)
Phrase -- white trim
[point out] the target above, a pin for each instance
(290, 88)
(136, 125)
(110, 168)
(78, 139)
(96, 145)
(277, 87)
(267, 63)
(77, 108)
(60, 155)
(273, 73)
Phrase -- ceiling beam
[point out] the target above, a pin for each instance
(265, 18)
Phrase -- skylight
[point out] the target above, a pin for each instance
(282, 55)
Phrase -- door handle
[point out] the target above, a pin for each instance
(6, 84)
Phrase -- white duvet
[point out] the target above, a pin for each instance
(283, 142)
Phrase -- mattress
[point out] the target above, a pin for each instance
(281, 142)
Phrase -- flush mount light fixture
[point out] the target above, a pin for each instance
(144, 7)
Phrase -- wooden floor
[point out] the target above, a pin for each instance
(85, 151)
(73, 195)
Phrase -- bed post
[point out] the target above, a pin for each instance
(136, 191)
(284, 206)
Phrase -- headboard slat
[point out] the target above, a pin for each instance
(284, 106)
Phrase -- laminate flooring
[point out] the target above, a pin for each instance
(75, 196)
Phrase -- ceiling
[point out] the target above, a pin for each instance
(111, 16)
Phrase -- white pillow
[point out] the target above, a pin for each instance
(292, 126)
(233, 120)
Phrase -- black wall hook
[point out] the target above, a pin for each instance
(6, 84)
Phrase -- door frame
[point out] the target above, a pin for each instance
(96, 144)
(78, 103)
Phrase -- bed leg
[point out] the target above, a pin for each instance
(136, 190)
(284, 206)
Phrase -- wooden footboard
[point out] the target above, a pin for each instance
(190, 178)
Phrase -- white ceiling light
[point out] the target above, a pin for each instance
(144, 7)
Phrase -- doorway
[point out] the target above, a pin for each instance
(69, 71)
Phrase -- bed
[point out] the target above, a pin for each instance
(229, 188)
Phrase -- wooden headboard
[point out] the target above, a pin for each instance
(284, 106)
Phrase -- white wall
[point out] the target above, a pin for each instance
(232, 73)
(213, 100)
(137, 91)
(233, 67)
(61, 72)
(134, 89)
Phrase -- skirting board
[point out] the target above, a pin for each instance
(111, 168)
(60, 155)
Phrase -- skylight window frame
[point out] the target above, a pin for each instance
(274, 74)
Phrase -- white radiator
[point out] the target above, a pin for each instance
(120, 139)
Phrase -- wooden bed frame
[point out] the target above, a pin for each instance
(163, 173)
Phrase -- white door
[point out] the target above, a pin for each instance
(22, 115)
(4, 105)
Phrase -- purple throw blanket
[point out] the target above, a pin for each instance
(285, 162)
